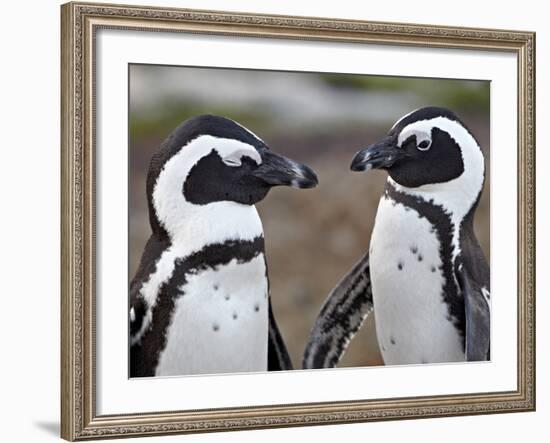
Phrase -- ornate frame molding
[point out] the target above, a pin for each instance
(79, 22)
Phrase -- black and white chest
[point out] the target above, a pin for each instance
(219, 320)
(413, 288)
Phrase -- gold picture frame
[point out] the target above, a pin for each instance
(80, 21)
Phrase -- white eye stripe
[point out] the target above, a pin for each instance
(234, 158)
(420, 133)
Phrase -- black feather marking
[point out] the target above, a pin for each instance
(433, 166)
(211, 180)
(341, 316)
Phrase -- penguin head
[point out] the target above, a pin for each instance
(208, 160)
(429, 149)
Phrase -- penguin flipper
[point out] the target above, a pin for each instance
(140, 316)
(137, 314)
(341, 316)
(137, 311)
(478, 316)
(277, 354)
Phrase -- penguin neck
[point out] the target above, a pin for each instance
(192, 227)
(455, 198)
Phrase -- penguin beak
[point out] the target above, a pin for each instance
(380, 155)
(277, 170)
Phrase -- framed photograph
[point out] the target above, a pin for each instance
(283, 221)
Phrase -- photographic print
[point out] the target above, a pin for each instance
(287, 220)
(275, 221)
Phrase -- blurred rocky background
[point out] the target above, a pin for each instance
(313, 237)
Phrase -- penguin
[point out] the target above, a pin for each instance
(425, 275)
(199, 302)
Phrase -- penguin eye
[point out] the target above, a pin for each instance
(424, 145)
